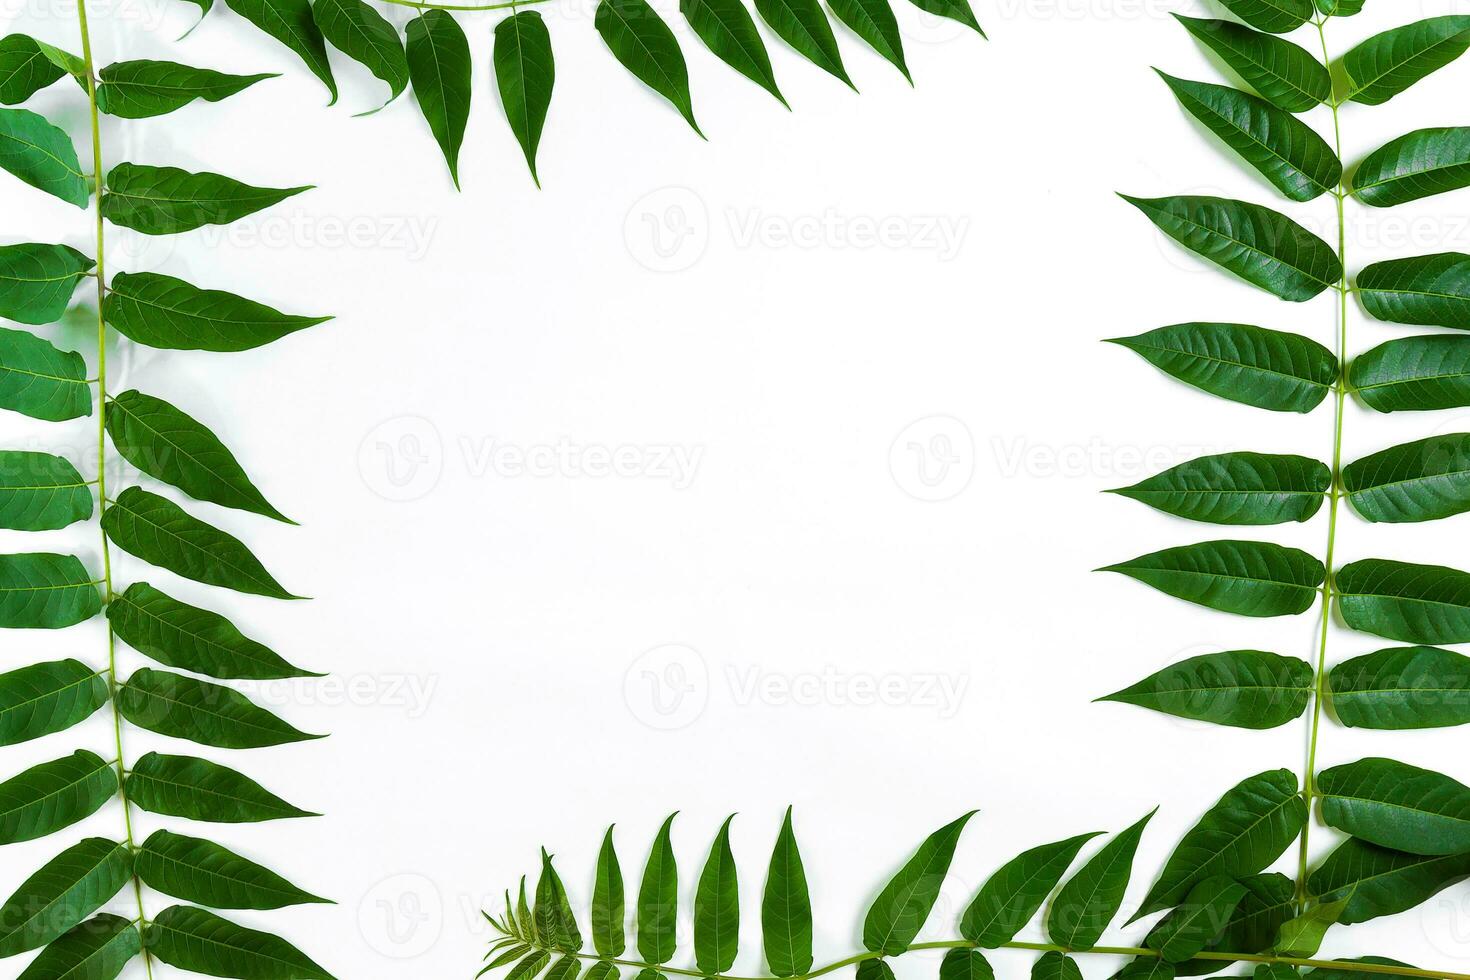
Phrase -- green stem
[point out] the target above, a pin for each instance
(446, 6)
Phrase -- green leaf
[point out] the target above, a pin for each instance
(639, 38)
(1148, 968)
(1238, 489)
(1248, 578)
(1261, 246)
(45, 591)
(1426, 290)
(728, 30)
(658, 900)
(40, 381)
(965, 964)
(291, 23)
(25, 69)
(786, 908)
(874, 22)
(192, 639)
(1286, 151)
(209, 714)
(1285, 74)
(1402, 688)
(161, 311)
(98, 949)
(41, 492)
(140, 89)
(533, 964)
(158, 531)
(70, 887)
(42, 155)
(202, 871)
(439, 64)
(37, 281)
(1419, 165)
(608, 935)
(1276, 16)
(565, 968)
(202, 942)
(803, 25)
(1011, 896)
(717, 907)
(1418, 481)
(357, 30)
(1088, 902)
(958, 10)
(1055, 966)
(166, 200)
(1376, 881)
(901, 908)
(1340, 8)
(1183, 933)
(1244, 833)
(1275, 971)
(1404, 602)
(54, 795)
(601, 970)
(1238, 688)
(182, 786)
(1397, 806)
(1280, 372)
(173, 447)
(525, 73)
(1326, 973)
(1270, 902)
(1388, 63)
(1414, 374)
(48, 697)
(1302, 936)
(556, 926)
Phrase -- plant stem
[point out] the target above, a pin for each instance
(101, 276)
(443, 6)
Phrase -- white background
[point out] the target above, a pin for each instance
(488, 629)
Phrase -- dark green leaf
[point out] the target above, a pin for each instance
(1088, 902)
(565, 968)
(210, 714)
(1326, 973)
(1341, 8)
(439, 64)
(803, 25)
(41, 492)
(1414, 374)
(1201, 917)
(202, 942)
(291, 23)
(166, 200)
(1238, 489)
(658, 900)
(533, 964)
(47, 697)
(45, 591)
(1270, 901)
(1404, 602)
(37, 281)
(874, 22)
(1423, 163)
(161, 311)
(953, 9)
(357, 30)
(201, 871)
(1276, 16)
(1285, 74)
(1376, 881)
(1397, 806)
(1238, 688)
(602, 970)
(1148, 968)
(608, 935)
(901, 908)
(556, 926)
(1249, 578)
(40, 381)
(786, 908)
(1426, 290)
(1417, 481)
(139, 89)
(717, 908)
(728, 30)
(1302, 936)
(181, 786)
(42, 155)
(1402, 688)
(525, 73)
(98, 949)
(70, 887)
(1011, 896)
(639, 38)
(1388, 63)
(24, 69)
(965, 964)
(54, 795)
(1055, 966)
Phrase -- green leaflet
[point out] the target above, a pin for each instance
(1414, 374)
(1376, 881)
(439, 64)
(874, 22)
(1238, 489)
(1248, 578)
(48, 697)
(658, 900)
(1089, 901)
(1341, 8)
(1276, 16)
(525, 73)
(1410, 603)
(166, 200)
(1055, 966)
(42, 155)
(1323, 973)
(1418, 481)
(1388, 63)
(1402, 688)
(70, 887)
(866, 970)
(40, 381)
(139, 89)
(209, 714)
(41, 492)
(1011, 896)
(161, 311)
(1243, 834)
(1270, 901)
(556, 926)
(202, 871)
(639, 38)
(98, 949)
(1261, 246)
(1186, 931)
(25, 69)
(1285, 74)
(54, 795)
(37, 281)
(601, 970)
(1426, 290)
(158, 531)
(202, 942)
(803, 25)
(953, 9)
(786, 908)
(533, 964)
(173, 447)
(1302, 936)
(45, 591)
(965, 964)
(728, 30)
(565, 968)
(1286, 151)
(1397, 806)
(1280, 372)
(193, 639)
(901, 908)
(1239, 688)
(181, 786)
(608, 935)
(1275, 971)
(1148, 968)
(1418, 165)
(357, 30)
(717, 907)
(291, 23)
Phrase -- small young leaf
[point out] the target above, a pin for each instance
(439, 64)
(70, 887)
(161, 311)
(1409, 603)
(874, 22)
(202, 942)
(965, 964)
(1402, 688)
(1248, 578)
(195, 870)
(357, 30)
(1388, 63)
(1397, 806)
(166, 200)
(45, 591)
(786, 908)
(556, 925)
(1285, 74)
(1186, 931)
(608, 935)
(1011, 896)
(1088, 902)
(525, 72)
(140, 89)
(658, 900)
(1276, 16)
(98, 949)
(40, 381)
(41, 492)
(24, 69)
(1245, 489)
(639, 38)
(717, 908)
(728, 30)
(54, 795)
(1419, 165)
(1056, 966)
(904, 904)
(182, 786)
(37, 281)
(1418, 481)
(209, 714)
(48, 697)
(1414, 374)
(1238, 688)
(1302, 936)
(1376, 881)
(42, 155)
(1426, 290)
(291, 23)
(803, 25)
